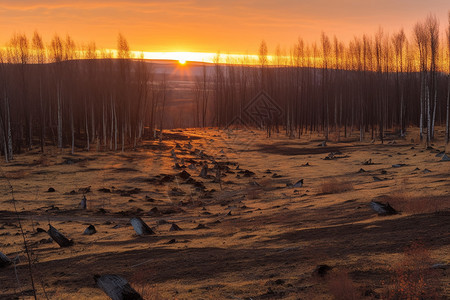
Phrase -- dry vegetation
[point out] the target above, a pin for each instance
(413, 276)
(142, 285)
(342, 287)
(333, 186)
(407, 202)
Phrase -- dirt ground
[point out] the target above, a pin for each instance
(248, 235)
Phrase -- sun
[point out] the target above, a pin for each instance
(182, 61)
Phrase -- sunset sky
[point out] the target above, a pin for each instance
(211, 25)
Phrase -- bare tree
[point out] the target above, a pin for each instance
(40, 58)
(421, 39)
(432, 27)
(326, 51)
(162, 96)
(56, 50)
(398, 40)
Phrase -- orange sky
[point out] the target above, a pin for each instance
(211, 25)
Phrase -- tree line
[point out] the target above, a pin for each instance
(63, 95)
(372, 84)
(78, 97)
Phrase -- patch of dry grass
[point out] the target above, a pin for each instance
(341, 286)
(253, 193)
(413, 277)
(42, 161)
(19, 174)
(334, 186)
(408, 203)
(140, 283)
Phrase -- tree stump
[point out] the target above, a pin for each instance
(90, 230)
(175, 227)
(4, 260)
(140, 227)
(204, 171)
(299, 183)
(83, 203)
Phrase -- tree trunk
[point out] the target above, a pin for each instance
(87, 129)
(421, 105)
(104, 125)
(41, 104)
(72, 130)
(434, 109)
(447, 133)
(9, 133)
(59, 126)
(111, 140)
(93, 133)
(115, 130)
(401, 113)
(123, 137)
(428, 117)
(3, 131)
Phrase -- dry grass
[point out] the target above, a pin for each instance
(141, 284)
(253, 193)
(19, 174)
(267, 184)
(147, 291)
(342, 287)
(333, 186)
(407, 203)
(43, 161)
(413, 277)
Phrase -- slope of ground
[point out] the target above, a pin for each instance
(262, 237)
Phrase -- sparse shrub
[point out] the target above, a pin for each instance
(413, 277)
(333, 186)
(342, 287)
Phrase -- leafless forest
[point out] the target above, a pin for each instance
(62, 94)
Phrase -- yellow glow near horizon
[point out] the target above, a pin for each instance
(205, 57)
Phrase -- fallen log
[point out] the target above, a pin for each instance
(58, 237)
(116, 287)
(383, 209)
